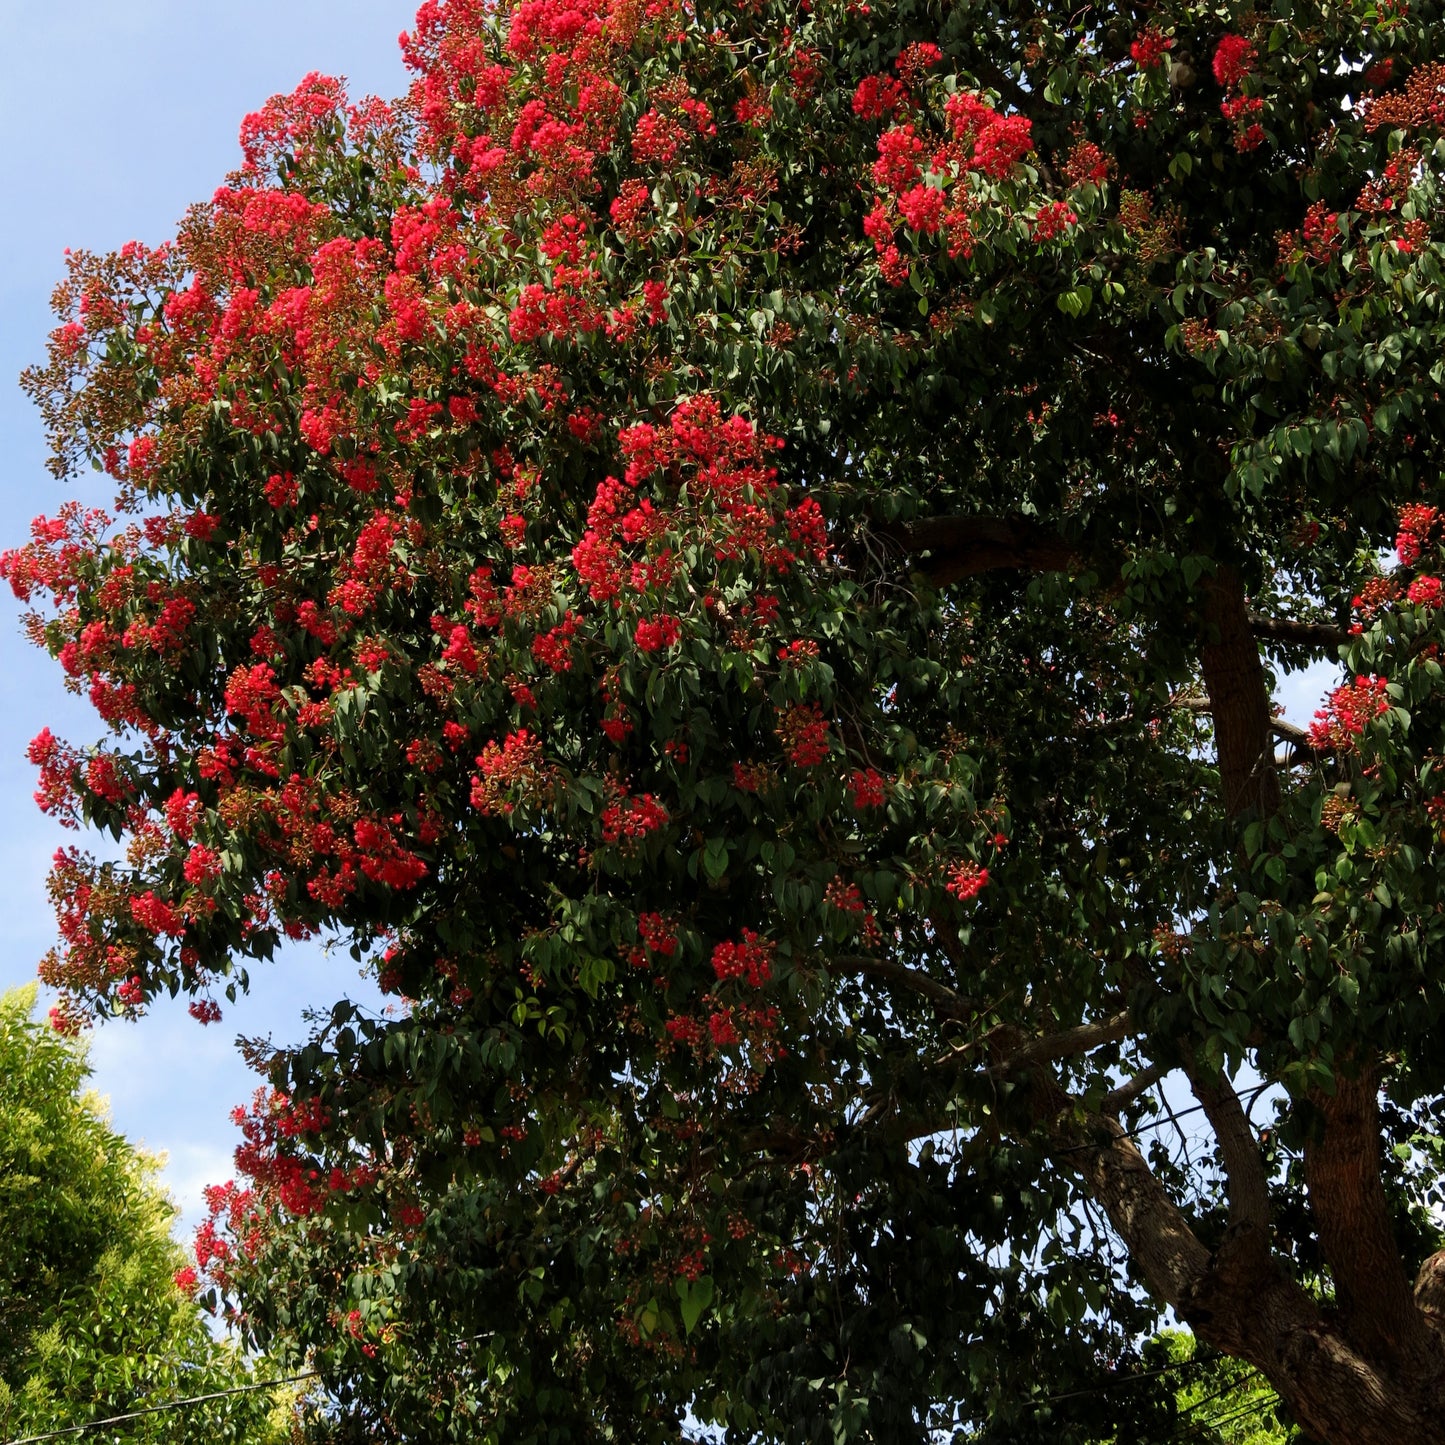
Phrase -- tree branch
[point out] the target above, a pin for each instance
(1238, 698)
(1048, 1048)
(1158, 1236)
(1248, 1186)
(1130, 1089)
(955, 1005)
(960, 547)
(1306, 634)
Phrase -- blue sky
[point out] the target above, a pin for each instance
(116, 117)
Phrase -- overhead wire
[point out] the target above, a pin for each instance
(184, 1403)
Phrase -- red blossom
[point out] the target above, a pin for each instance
(751, 960)
(803, 731)
(658, 633)
(878, 97)
(1347, 711)
(966, 880)
(1051, 220)
(922, 208)
(868, 788)
(630, 819)
(1234, 58)
(1417, 526)
(1149, 47)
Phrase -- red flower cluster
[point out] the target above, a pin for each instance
(966, 880)
(1425, 591)
(999, 142)
(1234, 58)
(878, 97)
(657, 634)
(803, 732)
(508, 769)
(1346, 712)
(1052, 219)
(868, 788)
(631, 819)
(751, 960)
(1417, 528)
(1149, 47)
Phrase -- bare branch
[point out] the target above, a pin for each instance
(1248, 1188)
(1292, 734)
(1130, 1090)
(1069, 1043)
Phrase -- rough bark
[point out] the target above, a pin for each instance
(1372, 1289)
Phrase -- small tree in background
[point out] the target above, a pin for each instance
(97, 1310)
(741, 554)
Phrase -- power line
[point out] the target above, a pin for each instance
(1233, 1385)
(1174, 1115)
(1253, 1407)
(193, 1400)
(161, 1409)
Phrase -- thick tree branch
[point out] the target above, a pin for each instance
(1248, 1186)
(1159, 1237)
(959, 547)
(1238, 698)
(1240, 1302)
(1130, 1089)
(1306, 634)
(1066, 1044)
(1298, 737)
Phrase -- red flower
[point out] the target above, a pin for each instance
(1053, 219)
(804, 734)
(1233, 60)
(751, 960)
(1347, 710)
(657, 634)
(1149, 48)
(877, 97)
(966, 880)
(922, 208)
(868, 789)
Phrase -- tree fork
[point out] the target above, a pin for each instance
(1238, 1299)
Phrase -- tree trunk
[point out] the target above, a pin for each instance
(1238, 698)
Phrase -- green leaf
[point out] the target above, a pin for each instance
(695, 1297)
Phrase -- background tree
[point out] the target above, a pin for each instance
(741, 554)
(97, 1315)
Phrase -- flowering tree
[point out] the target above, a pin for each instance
(740, 553)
